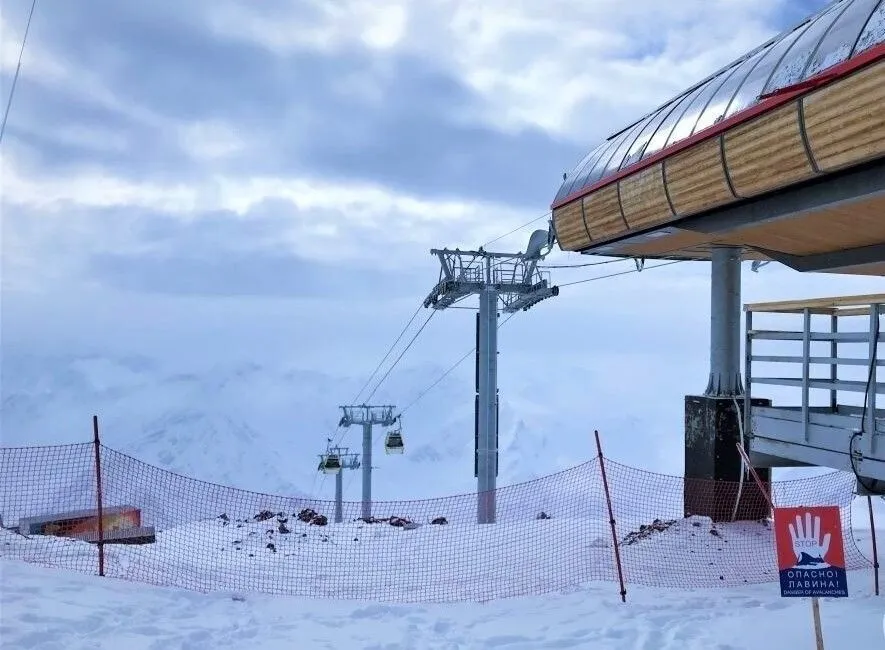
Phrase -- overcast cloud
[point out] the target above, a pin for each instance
(202, 180)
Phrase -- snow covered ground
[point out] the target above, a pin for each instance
(49, 609)
(42, 607)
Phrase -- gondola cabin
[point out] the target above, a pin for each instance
(330, 464)
(393, 442)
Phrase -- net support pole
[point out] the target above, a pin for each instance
(98, 494)
(611, 519)
(875, 549)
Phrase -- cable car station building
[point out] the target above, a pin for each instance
(779, 156)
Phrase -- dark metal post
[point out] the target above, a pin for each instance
(875, 550)
(98, 494)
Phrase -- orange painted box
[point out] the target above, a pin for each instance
(119, 524)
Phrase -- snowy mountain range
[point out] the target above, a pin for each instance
(261, 427)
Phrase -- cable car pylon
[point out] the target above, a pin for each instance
(334, 461)
(515, 280)
(367, 416)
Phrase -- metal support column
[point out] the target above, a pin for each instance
(339, 497)
(806, 371)
(834, 367)
(487, 450)
(367, 470)
(872, 378)
(725, 323)
(748, 369)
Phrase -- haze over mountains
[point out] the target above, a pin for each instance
(260, 427)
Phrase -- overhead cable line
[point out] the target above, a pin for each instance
(581, 266)
(472, 350)
(612, 275)
(405, 349)
(387, 354)
(343, 432)
(517, 229)
(18, 68)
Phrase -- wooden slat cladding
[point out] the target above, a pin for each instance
(834, 127)
(569, 224)
(767, 153)
(603, 213)
(644, 199)
(696, 179)
(845, 122)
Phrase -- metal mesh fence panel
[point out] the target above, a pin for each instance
(551, 534)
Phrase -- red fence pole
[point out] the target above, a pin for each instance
(611, 519)
(98, 494)
(875, 550)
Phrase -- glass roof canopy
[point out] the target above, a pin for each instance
(838, 32)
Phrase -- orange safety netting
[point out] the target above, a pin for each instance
(551, 534)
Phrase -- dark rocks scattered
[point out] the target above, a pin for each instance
(264, 515)
(399, 522)
(440, 521)
(282, 529)
(543, 515)
(319, 520)
(307, 515)
(645, 531)
(271, 546)
(225, 520)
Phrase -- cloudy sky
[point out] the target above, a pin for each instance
(198, 181)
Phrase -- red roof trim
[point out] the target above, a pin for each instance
(768, 103)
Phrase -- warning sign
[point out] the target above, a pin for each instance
(810, 552)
